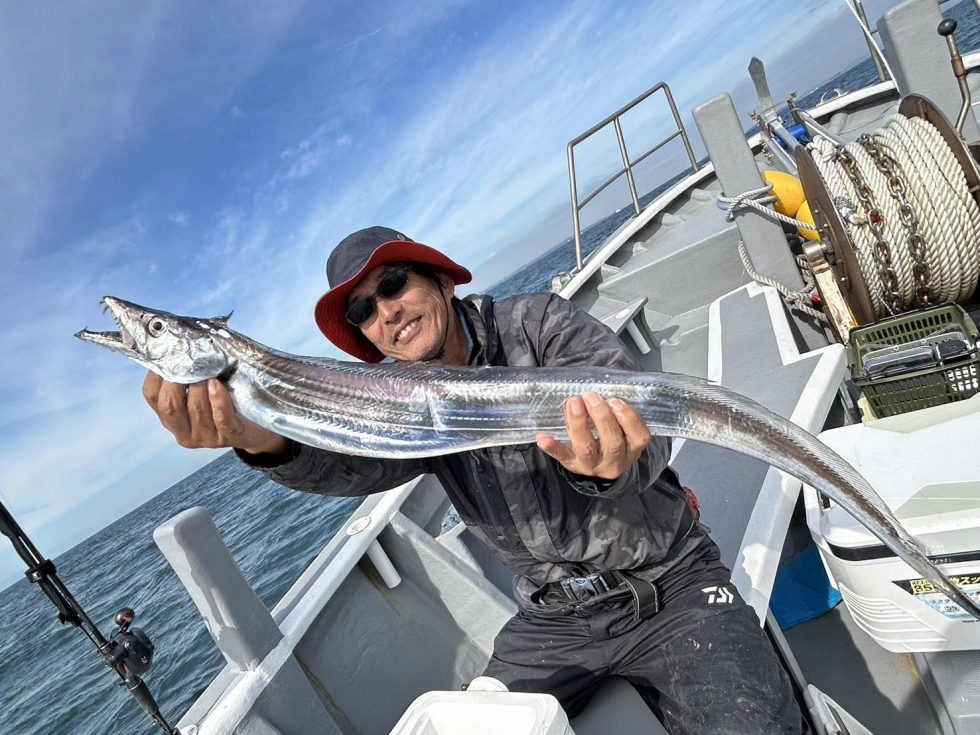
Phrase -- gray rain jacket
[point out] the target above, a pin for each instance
(536, 517)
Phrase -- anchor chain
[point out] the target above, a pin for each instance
(898, 189)
(881, 250)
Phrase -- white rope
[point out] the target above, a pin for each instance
(799, 300)
(759, 199)
(920, 163)
(961, 204)
(895, 137)
(948, 218)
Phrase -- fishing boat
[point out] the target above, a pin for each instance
(401, 608)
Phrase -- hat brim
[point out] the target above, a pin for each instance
(332, 307)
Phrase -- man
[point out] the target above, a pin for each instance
(612, 565)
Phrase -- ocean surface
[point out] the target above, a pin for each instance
(51, 679)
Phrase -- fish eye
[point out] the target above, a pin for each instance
(156, 326)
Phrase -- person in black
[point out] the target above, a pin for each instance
(615, 576)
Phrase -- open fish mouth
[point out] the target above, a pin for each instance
(121, 341)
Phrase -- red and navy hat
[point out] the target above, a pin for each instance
(356, 256)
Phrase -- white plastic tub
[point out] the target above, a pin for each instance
(483, 713)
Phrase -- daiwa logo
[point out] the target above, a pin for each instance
(718, 594)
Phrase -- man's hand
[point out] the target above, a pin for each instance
(202, 416)
(622, 437)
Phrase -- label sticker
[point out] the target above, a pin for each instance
(924, 590)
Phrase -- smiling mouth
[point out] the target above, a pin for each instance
(408, 330)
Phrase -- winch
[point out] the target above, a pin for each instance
(897, 213)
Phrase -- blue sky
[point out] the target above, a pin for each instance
(205, 158)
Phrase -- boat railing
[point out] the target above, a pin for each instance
(628, 163)
(881, 66)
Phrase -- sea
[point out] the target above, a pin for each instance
(52, 681)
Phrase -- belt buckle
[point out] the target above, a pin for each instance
(582, 588)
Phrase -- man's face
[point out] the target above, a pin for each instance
(411, 325)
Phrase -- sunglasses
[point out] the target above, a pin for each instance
(390, 285)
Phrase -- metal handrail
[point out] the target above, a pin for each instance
(627, 163)
(876, 55)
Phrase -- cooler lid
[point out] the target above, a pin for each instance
(944, 517)
(925, 466)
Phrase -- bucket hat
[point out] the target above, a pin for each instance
(356, 256)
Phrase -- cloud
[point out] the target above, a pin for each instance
(309, 154)
(72, 99)
(88, 83)
(470, 167)
(476, 161)
(66, 477)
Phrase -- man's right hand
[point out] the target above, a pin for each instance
(202, 416)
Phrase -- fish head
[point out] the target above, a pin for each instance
(179, 349)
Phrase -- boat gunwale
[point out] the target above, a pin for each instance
(295, 612)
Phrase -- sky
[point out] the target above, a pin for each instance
(204, 158)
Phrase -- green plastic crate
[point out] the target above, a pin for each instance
(933, 386)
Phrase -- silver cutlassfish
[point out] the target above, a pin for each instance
(418, 410)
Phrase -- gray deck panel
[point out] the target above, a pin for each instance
(684, 344)
(665, 278)
(880, 688)
(698, 218)
(434, 631)
(728, 483)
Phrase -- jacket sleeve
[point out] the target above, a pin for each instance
(328, 473)
(569, 336)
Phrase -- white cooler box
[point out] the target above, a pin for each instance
(486, 708)
(926, 467)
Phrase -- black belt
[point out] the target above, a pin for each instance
(580, 589)
(646, 595)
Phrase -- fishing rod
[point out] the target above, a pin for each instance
(129, 652)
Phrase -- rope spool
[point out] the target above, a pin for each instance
(898, 209)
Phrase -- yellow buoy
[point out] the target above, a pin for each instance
(803, 213)
(788, 191)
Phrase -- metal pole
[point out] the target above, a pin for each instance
(614, 118)
(683, 130)
(575, 219)
(947, 29)
(626, 165)
(875, 53)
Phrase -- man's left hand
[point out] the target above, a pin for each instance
(618, 441)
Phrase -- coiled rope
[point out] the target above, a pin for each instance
(759, 200)
(907, 207)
